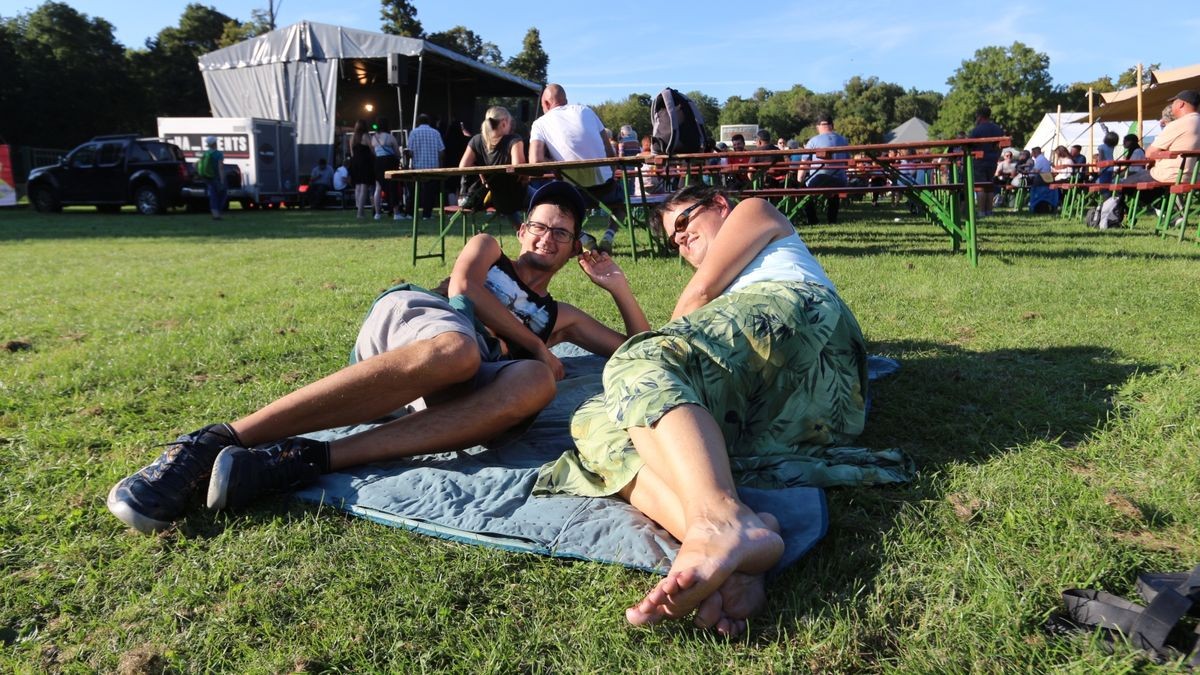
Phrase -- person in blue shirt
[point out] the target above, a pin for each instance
(818, 174)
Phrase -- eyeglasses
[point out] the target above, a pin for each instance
(684, 218)
(558, 234)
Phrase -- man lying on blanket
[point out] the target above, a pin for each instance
(471, 367)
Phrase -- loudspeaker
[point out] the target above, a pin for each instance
(397, 69)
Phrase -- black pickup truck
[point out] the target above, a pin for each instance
(110, 171)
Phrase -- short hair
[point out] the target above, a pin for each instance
(422, 119)
(737, 137)
(762, 134)
(825, 118)
(1111, 138)
(984, 112)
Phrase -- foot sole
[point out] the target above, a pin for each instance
(218, 484)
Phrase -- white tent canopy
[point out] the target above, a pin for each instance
(1049, 134)
(296, 73)
(914, 130)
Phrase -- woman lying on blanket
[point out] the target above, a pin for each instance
(761, 370)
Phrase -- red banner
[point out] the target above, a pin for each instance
(8, 186)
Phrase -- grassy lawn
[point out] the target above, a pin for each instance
(1051, 398)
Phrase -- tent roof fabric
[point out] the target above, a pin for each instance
(914, 130)
(1164, 84)
(311, 41)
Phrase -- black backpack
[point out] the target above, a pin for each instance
(677, 125)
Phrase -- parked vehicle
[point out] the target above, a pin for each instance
(263, 150)
(110, 171)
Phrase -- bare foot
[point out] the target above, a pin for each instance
(713, 549)
(739, 598)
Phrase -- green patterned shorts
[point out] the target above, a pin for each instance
(780, 365)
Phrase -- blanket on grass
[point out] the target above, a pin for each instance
(482, 495)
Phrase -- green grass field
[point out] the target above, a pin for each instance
(1051, 398)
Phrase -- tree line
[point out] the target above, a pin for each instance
(66, 78)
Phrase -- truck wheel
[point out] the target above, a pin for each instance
(147, 200)
(44, 200)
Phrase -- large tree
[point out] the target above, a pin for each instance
(65, 78)
(1014, 81)
(236, 31)
(466, 42)
(400, 18)
(532, 61)
(168, 69)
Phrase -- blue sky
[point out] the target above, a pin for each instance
(724, 48)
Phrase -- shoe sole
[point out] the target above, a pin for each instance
(218, 484)
(126, 514)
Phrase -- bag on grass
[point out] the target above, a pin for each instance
(677, 125)
(1164, 628)
(1112, 212)
(205, 167)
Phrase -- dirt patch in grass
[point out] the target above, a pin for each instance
(141, 661)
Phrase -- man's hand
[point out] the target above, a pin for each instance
(602, 270)
(547, 357)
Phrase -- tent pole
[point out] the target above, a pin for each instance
(1141, 127)
(1058, 137)
(1091, 127)
(417, 93)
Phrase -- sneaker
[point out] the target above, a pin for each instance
(399, 216)
(378, 216)
(606, 245)
(242, 475)
(157, 495)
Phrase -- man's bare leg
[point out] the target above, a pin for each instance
(519, 391)
(366, 390)
(721, 535)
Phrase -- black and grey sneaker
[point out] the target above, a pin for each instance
(242, 475)
(158, 494)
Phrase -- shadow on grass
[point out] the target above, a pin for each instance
(947, 405)
(286, 224)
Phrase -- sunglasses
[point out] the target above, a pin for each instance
(558, 234)
(685, 217)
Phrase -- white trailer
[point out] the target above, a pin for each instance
(264, 150)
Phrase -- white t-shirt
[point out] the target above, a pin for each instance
(571, 132)
(786, 259)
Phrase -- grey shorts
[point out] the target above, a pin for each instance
(403, 317)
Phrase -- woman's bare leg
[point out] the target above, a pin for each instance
(738, 598)
(720, 535)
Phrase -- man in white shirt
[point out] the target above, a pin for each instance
(571, 132)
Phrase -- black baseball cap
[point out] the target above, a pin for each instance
(563, 195)
(1188, 96)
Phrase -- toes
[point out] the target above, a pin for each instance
(708, 614)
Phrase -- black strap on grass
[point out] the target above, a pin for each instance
(1154, 627)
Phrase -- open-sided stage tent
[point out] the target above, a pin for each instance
(323, 77)
(1047, 135)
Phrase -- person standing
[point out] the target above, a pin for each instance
(212, 169)
(362, 167)
(820, 175)
(985, 166)
(428, 151)
(387, 158)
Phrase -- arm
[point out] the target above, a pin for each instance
(517, 156)
(751, 225)
(608, 146)
(467, 278)
(537, 151)
(575, 325)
